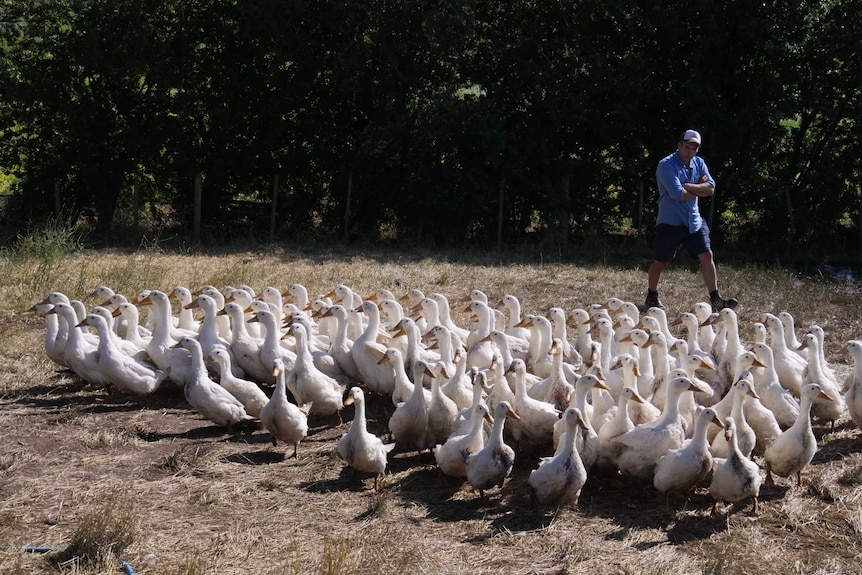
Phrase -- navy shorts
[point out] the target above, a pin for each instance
(668, 238)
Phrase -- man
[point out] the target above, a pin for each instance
(682, 178)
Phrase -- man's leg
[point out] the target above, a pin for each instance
(654, 275)
(710, 278)
(707, 269)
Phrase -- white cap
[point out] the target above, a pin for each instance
(691, 136)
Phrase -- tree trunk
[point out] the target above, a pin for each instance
(347, 206)
(58, 205)
(196, 217)
(272, 212)
(500, 211)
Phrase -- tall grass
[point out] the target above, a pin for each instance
(43, 247)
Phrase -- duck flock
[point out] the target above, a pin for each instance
(605, 389)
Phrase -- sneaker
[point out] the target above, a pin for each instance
(719, 303)
(652, 301)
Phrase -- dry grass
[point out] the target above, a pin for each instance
(149, 482)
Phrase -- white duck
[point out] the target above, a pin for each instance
(445, 316)
(452, 455)
(759, 417)
(441, 410)
(273, 345)
(621, 423)
(245, 347)
(539, 360)
(727, 365)
(641, 412)
(409, 423)
(778, 400)
(185, 317)
(791, 451)
(789, 324)
(736, 477)
(52, 332)
(646, 373)
(588, 444)
(512, 305)
(789, 365)
(403, 386)
(558, 480)
(555, 388)
(681, 470)
(490, 466)
(415, 349)
(208, 335)
(284, 420)
(130, 314)
(463, 421)
(557, 317)
(694, 366)
(824, 364)
(535, 428)
(367, 352)
(662, 365)
(500, 388)
(458, 388)
(80, 353)
(339, 344)
(853, 383)
(825, 409)
(128, 373)
(583, 323)
(744, 435)
(706, 334)
(644, 445)
(247, 392)
(480, 349)
(207, 397)
(310, 385)
(361, 450)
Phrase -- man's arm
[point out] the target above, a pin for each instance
(703, 189)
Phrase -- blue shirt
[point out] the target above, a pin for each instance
(670, 175)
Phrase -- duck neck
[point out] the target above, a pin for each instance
(803, 421)
(700, 433)
(496, 436)
(359, 417)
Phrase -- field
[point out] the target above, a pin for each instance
(107, 478)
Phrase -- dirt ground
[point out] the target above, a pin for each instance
(203, 501)
(181, 496)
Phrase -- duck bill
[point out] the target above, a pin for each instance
(601, 385)
(349, 400)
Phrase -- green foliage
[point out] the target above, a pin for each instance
(444, 121)
(48, 243)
